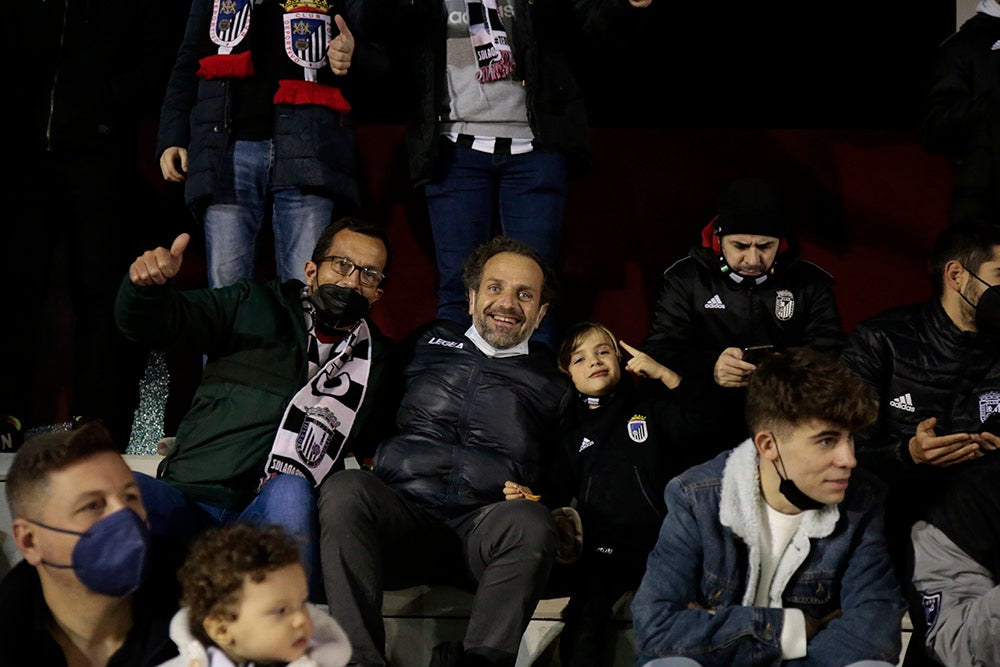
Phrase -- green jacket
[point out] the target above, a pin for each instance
(254, 337)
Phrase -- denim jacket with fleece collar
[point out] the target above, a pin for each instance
(708, 553)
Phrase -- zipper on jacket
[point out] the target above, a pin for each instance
(645, 494)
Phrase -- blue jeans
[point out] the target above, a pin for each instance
(234, 218)
(286, 500)
(528, 194)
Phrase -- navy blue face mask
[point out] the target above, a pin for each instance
(110, 557)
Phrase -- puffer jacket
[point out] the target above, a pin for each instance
(314, 145)
(468, 423)
(921, 365)
(702, 310)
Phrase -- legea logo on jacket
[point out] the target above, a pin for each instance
(445, 343)
(637, 428)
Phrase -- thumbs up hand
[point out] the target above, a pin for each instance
(156, 267)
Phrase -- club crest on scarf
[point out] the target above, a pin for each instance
(318, 428)
(489, 41)
(317, 422)
(308, 29)
(230, 23)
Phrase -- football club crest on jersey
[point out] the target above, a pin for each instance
(314, 437)
(988, 403)
(230, 23)
(637, 428)
(307, 32)
(784, 305)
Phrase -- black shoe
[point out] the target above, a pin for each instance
(447, 654)
(11, 436)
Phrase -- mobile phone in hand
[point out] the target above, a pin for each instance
(756, 353)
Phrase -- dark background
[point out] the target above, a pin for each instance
(845, 64)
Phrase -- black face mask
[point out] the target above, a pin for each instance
(790, 491)
(987, 308)
(338, 308)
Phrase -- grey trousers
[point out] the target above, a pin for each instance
(373, 539)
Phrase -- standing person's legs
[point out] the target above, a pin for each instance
(461, 207)
(298, 219)
(234, 218)
(533, 188)
(371, 537)
(509, 547)
(288, 501)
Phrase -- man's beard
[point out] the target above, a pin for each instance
(968, 310)
(501, 340)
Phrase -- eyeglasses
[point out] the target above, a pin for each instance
(366, 276)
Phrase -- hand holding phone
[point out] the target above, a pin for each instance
(756, 353)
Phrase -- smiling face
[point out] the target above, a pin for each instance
(272, 622)
(593, 365)
(748, 254)
(817, 455)
(506, 308)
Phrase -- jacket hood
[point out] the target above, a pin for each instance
(710, 250)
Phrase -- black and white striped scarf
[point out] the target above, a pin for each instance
(489, 40)
(310, 440)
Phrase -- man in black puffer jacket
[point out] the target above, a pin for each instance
(480, 409)
(744, 287)
(936, 369)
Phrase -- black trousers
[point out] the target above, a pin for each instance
(373, 539)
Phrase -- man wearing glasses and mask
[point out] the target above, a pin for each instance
(292, 376)
(936, 369)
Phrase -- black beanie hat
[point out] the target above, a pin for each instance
(750, 206)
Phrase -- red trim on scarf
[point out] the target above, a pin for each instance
(709, 239)
(226, 66)
(291, 91)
